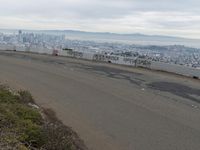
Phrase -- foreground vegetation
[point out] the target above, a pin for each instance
(25, 126)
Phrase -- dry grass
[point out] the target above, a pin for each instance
(24, 127)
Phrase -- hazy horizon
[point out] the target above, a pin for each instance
(151, 17)
(137, 38)
(95, 32)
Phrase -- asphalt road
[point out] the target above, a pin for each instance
(111, 107)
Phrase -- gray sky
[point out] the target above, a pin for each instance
(160, 17)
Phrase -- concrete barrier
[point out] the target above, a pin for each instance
(178, 69)
(130, 61)
(7, 47)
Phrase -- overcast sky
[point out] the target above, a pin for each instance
(160, 17)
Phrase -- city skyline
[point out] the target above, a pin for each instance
(54, 43)
(155, 17)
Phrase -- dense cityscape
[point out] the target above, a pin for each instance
(173, 54)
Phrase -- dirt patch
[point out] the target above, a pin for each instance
(59, 133)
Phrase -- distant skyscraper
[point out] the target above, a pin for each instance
(20, 31)
(20, 39)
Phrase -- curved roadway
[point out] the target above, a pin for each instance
(111, 107)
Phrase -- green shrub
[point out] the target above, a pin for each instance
(32, 134)
(26, 113)
(6, 96)
(25, 97)
(22, 127)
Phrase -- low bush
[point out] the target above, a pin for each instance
(23, 127)
(25, 97)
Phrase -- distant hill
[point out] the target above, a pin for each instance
(128, 38)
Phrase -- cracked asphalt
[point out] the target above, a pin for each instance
(111, 107)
